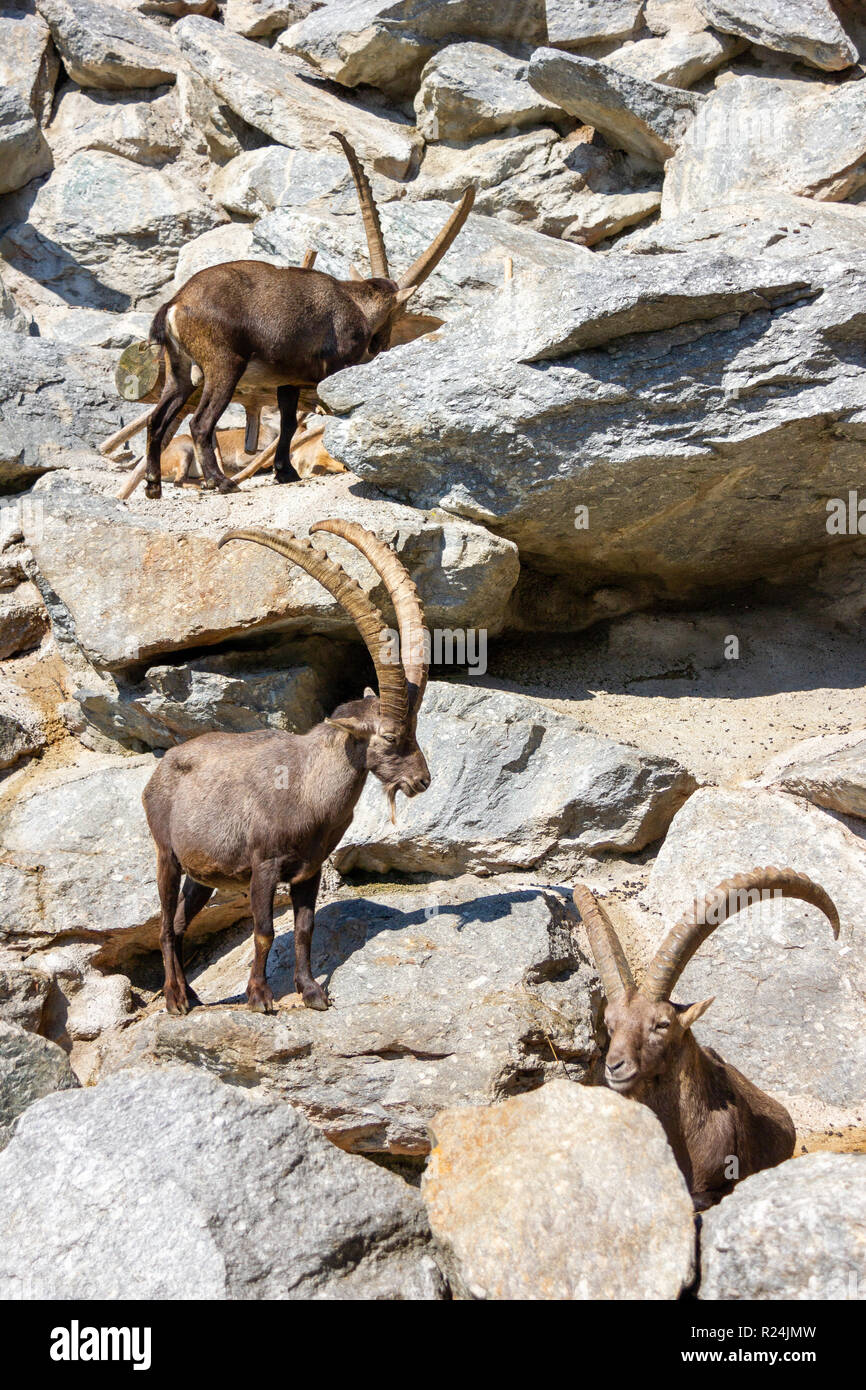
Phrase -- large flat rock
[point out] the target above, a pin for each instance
(515, 786)
(450, 994)
(270, 92)
(57, 404)
(572, 24)
(789, 1005)
(471, 89)
(30, 1068)
(646, 118)
(619, 425)
(385, 43)
(818, 148)
(676, 59)
(807, 29)
(143, 127)
(232, 1196)
(533, 179)
(568, 1193)
(769, 223)
(797, 1232)
(104, 232)
(829, 771)
(24, 153)
(105, 45)
(28, 58)
(289, 687)
(180, 591)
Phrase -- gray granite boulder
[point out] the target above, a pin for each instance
(232, 1196)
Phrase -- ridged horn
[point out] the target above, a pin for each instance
(429, 259)
(607, 951)
(731, 895)
(369, 211)
(404, 597)
(393, 692)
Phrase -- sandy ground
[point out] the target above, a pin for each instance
(665, 684)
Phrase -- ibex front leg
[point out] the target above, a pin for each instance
(287, 400)
(304, 907)
(263, 885)
(168, 882)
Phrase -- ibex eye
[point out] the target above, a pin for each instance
(662, 1024)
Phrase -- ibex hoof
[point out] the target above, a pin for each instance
(287, 476)
(179, 1004)
(314, 997)
(153, 490)
(260, 999)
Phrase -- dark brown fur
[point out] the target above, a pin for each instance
(255, 810)
(274, 327)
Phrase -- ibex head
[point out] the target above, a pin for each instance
(381, 728)
(388, 297)
(646, 1029)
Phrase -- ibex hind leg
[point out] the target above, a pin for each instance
(168, 883)
(263, 885)
(176, 392)
(192, 899)
(287, 400)
(219, 387)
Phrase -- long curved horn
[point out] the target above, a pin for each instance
(429, 259)
(609, 956)
(404, 596)
(393, 692)
(369, 211)
(731, 895)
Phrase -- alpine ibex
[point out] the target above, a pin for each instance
(178, 460)
(249, 323)
(269, 807)
(710, 1112)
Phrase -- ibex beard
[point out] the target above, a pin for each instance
(259, 809)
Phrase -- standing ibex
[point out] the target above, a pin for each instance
(720, 1126)
(249, 323)
(269, 807)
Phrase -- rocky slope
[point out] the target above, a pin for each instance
(625, 467)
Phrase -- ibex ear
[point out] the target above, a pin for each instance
(354, 273)
(402, 295)
(355, 728)
(693, 1013)
(369, 693)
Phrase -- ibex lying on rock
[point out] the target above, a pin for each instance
(178, 460)
(309, 455)
(248, 323)
(269, 807)
(710, 1112)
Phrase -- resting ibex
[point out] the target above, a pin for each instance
(269, 807)
(710, 1112)
(252, 324)
(178, 460)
